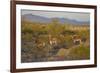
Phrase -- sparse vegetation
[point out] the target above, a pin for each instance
(54, 41)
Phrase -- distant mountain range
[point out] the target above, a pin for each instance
(36, 18)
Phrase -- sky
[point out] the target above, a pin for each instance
(79, 16)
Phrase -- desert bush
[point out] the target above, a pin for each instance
(80, 52)
(33, 34)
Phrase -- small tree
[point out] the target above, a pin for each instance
(55, 28)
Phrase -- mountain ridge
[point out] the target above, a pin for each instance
(37, 18)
